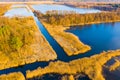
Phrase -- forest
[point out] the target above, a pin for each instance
(66, 18)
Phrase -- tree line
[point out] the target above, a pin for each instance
(55, 18)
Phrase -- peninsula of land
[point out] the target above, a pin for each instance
(68, 41)
(91, 66)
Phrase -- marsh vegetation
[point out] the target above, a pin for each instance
(115, 65)
(12, 76)
(69, 42)
(20, 43)
(91, 66)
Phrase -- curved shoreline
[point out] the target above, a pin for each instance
(72, 25)
(91, 66)
(35, 50)
(63, 63)
(68, 41)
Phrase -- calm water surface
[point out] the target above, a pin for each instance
(18, 10)
(100, 37)
(47, 7)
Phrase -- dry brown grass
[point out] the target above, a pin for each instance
(17, 31)
(114, 66)
(69, 42)
(12, 76)
(90, 66)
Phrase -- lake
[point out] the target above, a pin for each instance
(47, 7)
(18, 10)
(101, 37)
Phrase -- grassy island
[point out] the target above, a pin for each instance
(21, 43)
(69, 42)
(12, 76)
(91, 66)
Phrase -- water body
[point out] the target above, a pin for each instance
(61, 54)
(111, 75)
(47, 7)
(100, 37)
(18, 10)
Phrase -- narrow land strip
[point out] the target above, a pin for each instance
(68, 41)
(22, 43)
(90, 66)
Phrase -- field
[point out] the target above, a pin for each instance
(21, 43)
(12, 76)
(69, 42)
(91, 66)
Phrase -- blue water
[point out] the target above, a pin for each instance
(18, 10)
(100, 37)
(47, 7)
(61, 55)
(24, 68)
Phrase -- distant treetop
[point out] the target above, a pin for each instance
(89, 0)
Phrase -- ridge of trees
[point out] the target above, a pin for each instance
(72, 18)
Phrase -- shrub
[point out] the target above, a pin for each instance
(15, 43)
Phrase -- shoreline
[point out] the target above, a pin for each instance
(36, 54)
(95, 64)
(82, 24)
(75, 45)
(49, 28)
